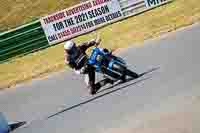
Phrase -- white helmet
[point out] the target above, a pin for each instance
(69, 45)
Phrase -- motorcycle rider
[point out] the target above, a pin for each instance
(76, 58)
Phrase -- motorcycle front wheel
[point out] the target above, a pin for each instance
(124, 71)
(132, 74)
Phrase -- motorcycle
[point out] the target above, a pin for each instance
(111, 66)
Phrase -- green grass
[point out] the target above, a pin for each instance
(18, 12)
(130, 32)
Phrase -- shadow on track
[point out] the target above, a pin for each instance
(107, 93)
(128, 80)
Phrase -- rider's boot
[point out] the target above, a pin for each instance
(92, 89)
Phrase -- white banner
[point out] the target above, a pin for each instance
(80, 19)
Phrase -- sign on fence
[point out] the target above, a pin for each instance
(80, 19)
(151, 3)
(90, 15)
(132, 7)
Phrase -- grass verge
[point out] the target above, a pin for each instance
(132, 31)
(18, 12)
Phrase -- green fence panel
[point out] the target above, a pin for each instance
(20, 29)
(23, 40)
(23, 37)
(22, 44)
(32, 31)
(32, 47)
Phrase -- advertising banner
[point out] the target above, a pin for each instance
(80, 19)
(152, 3)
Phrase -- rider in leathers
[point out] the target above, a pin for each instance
(76, 58)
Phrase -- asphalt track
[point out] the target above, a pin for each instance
(61, 103)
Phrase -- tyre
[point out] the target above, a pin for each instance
(132, 74)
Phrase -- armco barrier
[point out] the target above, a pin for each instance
(22, 40)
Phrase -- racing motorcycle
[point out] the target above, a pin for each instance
(111, 66)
